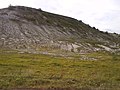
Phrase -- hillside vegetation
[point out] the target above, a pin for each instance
(50, 72)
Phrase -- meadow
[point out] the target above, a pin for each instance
(25, 70)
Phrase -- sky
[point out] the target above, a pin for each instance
(102, 14)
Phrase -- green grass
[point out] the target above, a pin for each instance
(44, 71)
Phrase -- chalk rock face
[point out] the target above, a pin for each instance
(28, 28)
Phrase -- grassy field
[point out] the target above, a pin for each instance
(44, 71)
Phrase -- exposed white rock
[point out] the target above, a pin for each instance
(105, 47)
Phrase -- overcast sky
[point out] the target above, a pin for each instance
(103, 14)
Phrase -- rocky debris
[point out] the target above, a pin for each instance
(84, 57)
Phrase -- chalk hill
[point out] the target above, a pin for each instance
(25, 28)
